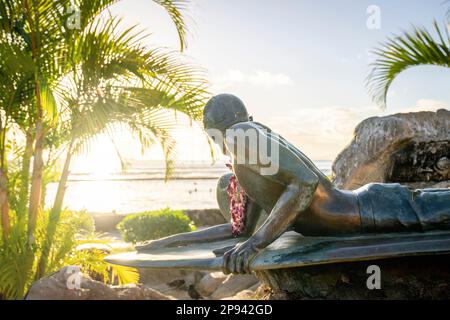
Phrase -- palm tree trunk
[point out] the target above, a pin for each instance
(38, 163)
(25, 177)
(43, 192)
(55, 214)
(36, 180)
(4, 205)
(62, 185)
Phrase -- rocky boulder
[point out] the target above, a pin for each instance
(413, 278)
(410, 148)
(187, 285)
(209, 283)
(234, 284)
(70, 284)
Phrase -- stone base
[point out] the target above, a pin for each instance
(422, 277)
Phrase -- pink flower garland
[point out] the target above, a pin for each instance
(238, 201)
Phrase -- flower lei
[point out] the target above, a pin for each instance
(238, 202)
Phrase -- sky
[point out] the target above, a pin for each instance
(298, 65)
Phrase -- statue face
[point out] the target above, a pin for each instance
(218, 137)
(220, 113)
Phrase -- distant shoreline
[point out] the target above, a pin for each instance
(143, 179)
(143, 188)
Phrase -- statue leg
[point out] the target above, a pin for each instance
(391, 207)
(254, 214)
(432, 207)
(223, 200)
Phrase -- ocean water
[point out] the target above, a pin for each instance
(142, 187)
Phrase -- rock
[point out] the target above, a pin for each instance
(424, 185)
(180, 284)
(263, 292)
(139, 292)
(173, 278)
(401, 142)
(195, 284)
(176, 293)
(243, 295)
(70, 284)
(209, 283)
(193, 293)
(421, 161)
(420, 277)
(248, 294)
(234, 284)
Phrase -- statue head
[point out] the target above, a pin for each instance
(223, 111)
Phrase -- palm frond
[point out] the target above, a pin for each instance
(91, 10)
(124, 274)
(156, 126)
(447, 13)
(175, 9)
(120, 81)
(7, 15)
(414, 48)
(48, 101)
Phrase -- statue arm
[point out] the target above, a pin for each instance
(301, 183)
(294, 200)
(252, 214)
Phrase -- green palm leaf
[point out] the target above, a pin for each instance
(90, 10)
(418, 47)
(119, 81)
(175, 10)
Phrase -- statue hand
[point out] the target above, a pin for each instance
(238, 259)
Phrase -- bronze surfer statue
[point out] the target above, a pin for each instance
(296, 196)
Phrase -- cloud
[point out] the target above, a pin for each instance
(334, 122)
(420, 105)
(323, 132)
(257, 78)
(320, 132)
(431, 105)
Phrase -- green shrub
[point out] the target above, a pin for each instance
(154, 225)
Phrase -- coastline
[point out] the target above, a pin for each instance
(143, 188)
